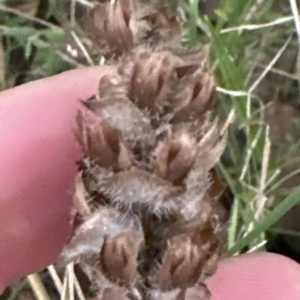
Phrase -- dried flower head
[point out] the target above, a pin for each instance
(147, 184)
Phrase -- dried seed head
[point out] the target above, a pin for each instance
(148, 170)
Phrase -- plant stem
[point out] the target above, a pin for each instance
(38, 287)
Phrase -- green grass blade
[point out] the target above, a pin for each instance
(192, 22)
(268, 221)
(233, 223)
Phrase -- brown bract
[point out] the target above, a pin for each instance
(151, 143)
(118, 258)
(119, 26)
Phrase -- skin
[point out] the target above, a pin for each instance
(37, 155)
